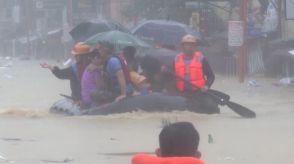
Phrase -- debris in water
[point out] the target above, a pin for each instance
(210, 139)
(58, 161)
(229, 159)
(6, 64)
(287, 81)
(252, 83)
(112, 139)
(3, 159)
(17, 139)
(125, 153)
(11, 139)
(7, 76)
(165, 122)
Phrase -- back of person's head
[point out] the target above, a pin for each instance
(129, 52)
(107, 46)
(94, 53)
(179, 139)
(150, 64)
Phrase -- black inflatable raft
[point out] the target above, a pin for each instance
(156, 102)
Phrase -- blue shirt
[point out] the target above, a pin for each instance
(114, 65)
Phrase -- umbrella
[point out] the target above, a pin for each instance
(163, 32)
(117, 38)
(87, 29)
(164, 56)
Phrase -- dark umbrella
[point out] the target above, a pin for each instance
(87, 29)
(167, 33)
(163, 56)
(117, 38)
(151, 62)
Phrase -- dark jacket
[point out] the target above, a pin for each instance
(208, 72)
(69, 74)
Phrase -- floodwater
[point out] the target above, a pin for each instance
(29, 134)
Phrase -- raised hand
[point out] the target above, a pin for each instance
(46, 66)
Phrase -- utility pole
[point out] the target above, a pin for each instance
(28, 23)
(70, 12)
(279, 10)
(243, 48)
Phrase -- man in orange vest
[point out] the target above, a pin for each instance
(178, 144)
(194, 76)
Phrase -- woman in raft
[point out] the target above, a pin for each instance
(92, 80)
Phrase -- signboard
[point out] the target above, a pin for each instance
(289, 6)
(235, 33)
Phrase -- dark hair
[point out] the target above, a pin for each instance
(85, 58)
(150, 64)
(178, 140)
(129, 52)
(94, 53)
(110, 46)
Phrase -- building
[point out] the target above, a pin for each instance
(29, 20)
(112, 9)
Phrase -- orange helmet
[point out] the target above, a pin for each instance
(189, 39)
(81, 48)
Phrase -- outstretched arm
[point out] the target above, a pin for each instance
(65, 73)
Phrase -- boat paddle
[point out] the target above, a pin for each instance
(66, 96)
(222, 99)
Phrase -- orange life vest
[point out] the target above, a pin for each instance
(194, 70)
(150, 159)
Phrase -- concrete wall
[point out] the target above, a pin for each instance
(288, 30)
